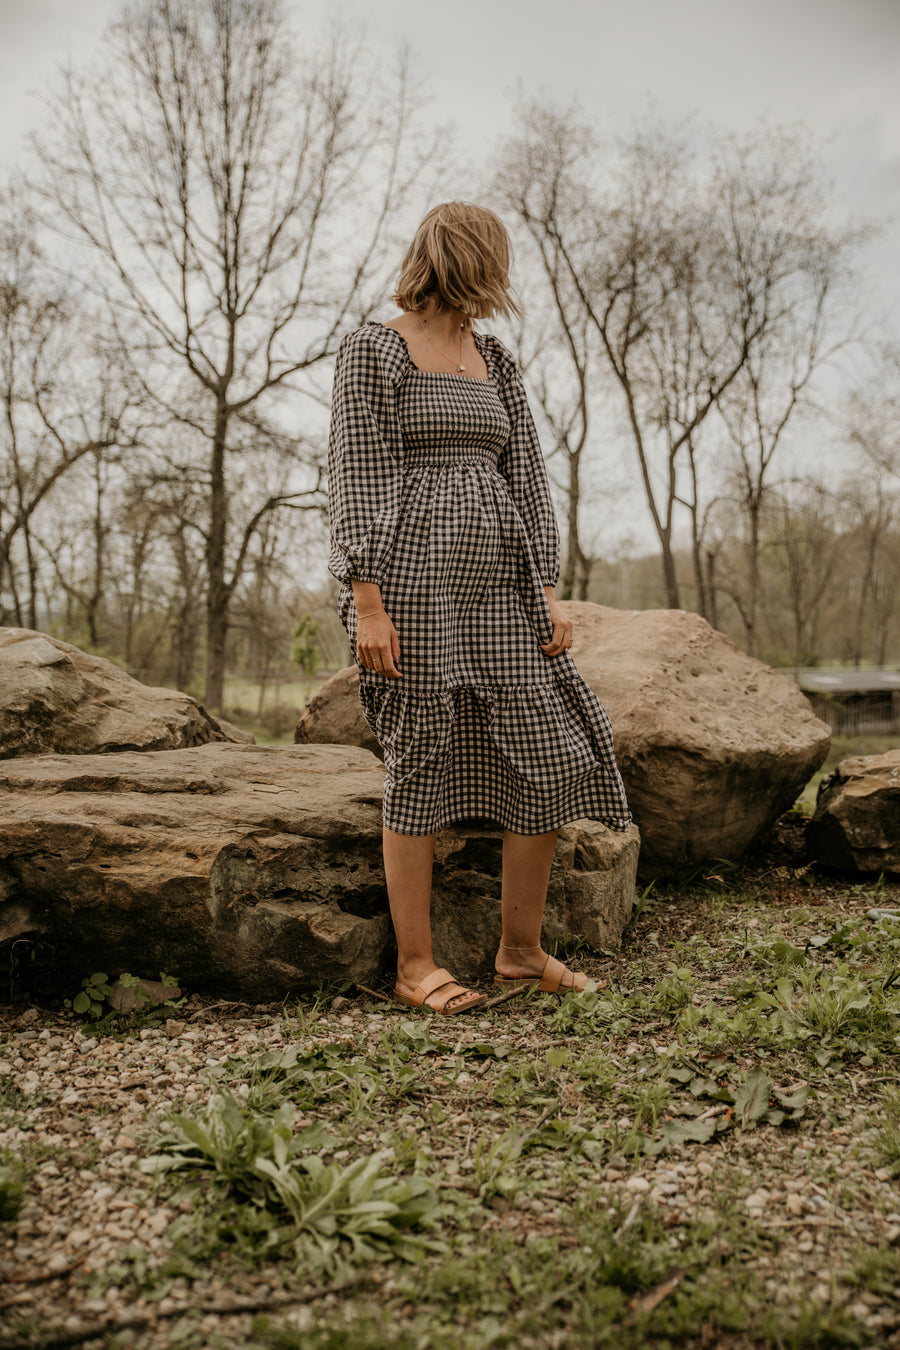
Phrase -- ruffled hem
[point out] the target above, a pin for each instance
(530, 757)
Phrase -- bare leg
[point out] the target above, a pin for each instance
(527, 859)
(408, 863)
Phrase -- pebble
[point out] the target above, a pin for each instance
(637, 1184)
(86, 1046)
(794, 1204)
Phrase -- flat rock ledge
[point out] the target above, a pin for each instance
(856, 824)
(255, 872)
(54, 697)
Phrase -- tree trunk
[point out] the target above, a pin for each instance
(750, 625)
(670, 577)
(697, 558)
(711, 587)
(217, 595)
(573, 546)
(31, 564)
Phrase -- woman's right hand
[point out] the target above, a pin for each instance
(378, 646)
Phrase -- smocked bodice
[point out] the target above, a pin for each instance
(450, 418)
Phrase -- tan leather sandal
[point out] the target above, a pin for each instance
(435, 983)
(550, 980)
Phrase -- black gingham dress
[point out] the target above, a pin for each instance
(438, 493)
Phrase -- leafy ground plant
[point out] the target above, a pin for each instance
(294, 1197)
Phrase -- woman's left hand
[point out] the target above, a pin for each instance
(562, 630)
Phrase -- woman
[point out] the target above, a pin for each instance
(445, 541)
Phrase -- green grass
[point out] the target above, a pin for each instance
(272, 717)
(465, 1182)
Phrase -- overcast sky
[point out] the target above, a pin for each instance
(834, 64)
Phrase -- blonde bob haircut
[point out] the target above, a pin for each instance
(460, 257)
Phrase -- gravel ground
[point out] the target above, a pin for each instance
(809, 1211)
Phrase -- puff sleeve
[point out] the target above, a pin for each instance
(522, 465)
(364, 475)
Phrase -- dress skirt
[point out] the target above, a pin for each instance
(458, 530)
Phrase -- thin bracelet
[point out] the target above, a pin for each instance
(370, 613)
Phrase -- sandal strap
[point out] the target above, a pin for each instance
(552, 976)
(436, 980)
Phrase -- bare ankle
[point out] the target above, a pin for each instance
(412, 970)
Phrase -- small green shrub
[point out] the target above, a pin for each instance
(320, 1210)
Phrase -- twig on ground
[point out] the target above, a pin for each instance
(507, 994)
(373, 993)
(643, 1303)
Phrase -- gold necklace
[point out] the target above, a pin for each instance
(459, 366)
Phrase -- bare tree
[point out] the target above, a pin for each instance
(539, 177)
(802, 546)
(62, 395)
(871, 492)
(690, 278)
(233, 200)
(781, 248)
(630, 252)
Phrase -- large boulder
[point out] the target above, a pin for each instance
(54, 697)
(713, 745)
(256, 871)
(334, 716)
(856, 825)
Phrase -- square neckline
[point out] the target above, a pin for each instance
(453, 374)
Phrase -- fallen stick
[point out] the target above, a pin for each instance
(506, 995)
(643, 1303)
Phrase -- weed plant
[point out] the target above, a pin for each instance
(270, 1188)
